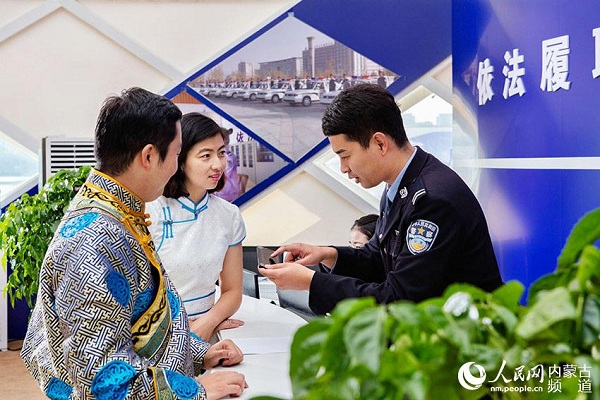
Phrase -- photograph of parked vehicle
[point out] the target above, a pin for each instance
(305, 96)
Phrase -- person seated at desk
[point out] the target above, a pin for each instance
(199, 235)
(431, 230)
(108, 322)
(362, 230)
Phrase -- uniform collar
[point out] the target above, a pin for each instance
(407, 183)
(415, 167)
(393, 189)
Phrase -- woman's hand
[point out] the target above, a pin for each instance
(224, 353)
(229, 324)
(201, 329)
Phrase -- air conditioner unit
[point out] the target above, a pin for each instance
(65, 153)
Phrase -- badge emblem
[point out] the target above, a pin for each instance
(420, 236)
(403, 192)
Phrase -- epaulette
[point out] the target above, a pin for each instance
(419, 190)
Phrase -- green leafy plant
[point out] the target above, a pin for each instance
(27, 227)
(415, 351)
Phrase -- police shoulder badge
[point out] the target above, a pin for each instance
(420, 236)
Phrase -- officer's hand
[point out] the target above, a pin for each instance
(307, 254)
(288, 276)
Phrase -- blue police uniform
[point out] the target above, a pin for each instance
(434, 234)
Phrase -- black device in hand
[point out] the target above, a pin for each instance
(264, 256)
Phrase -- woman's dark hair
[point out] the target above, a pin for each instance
(195, 128)
(360, 111)
(366, 225)
(129, 122)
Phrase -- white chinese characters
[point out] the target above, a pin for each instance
(555, 64)
(513, 84)
(554, 69)
(484, 81)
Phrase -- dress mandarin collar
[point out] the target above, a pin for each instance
(194, 208)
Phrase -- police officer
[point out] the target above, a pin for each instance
(431, 231)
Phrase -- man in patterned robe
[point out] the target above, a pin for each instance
(108, 323)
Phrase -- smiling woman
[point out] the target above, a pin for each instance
(197, 234)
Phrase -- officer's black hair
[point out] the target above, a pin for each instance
(360, 111)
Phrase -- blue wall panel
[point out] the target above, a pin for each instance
(531, 211)
(538, 124)
(539, 208)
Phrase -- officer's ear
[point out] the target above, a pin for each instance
(381, 141)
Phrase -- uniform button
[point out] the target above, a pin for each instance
(380, 236)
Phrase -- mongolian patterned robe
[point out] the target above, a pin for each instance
(108, 323)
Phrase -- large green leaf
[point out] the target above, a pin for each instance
(554, 306)
(396, 364)
(474, 292)
(336, 358)
(432, 353)
(481, 354)
(506, 316)
(586, 231)
(364, 337)
(406, 313)
(589, 267)
(509, 295)
(418, 386)
(306, 353)
(591, 321)
(549, 282)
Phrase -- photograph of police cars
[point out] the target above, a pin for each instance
(290, 64)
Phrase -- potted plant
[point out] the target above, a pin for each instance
(467, 344)
(27, 227)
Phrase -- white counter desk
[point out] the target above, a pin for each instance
(265, 339)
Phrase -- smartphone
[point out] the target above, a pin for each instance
(264, 256)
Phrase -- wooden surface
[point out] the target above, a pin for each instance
(15, 381)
